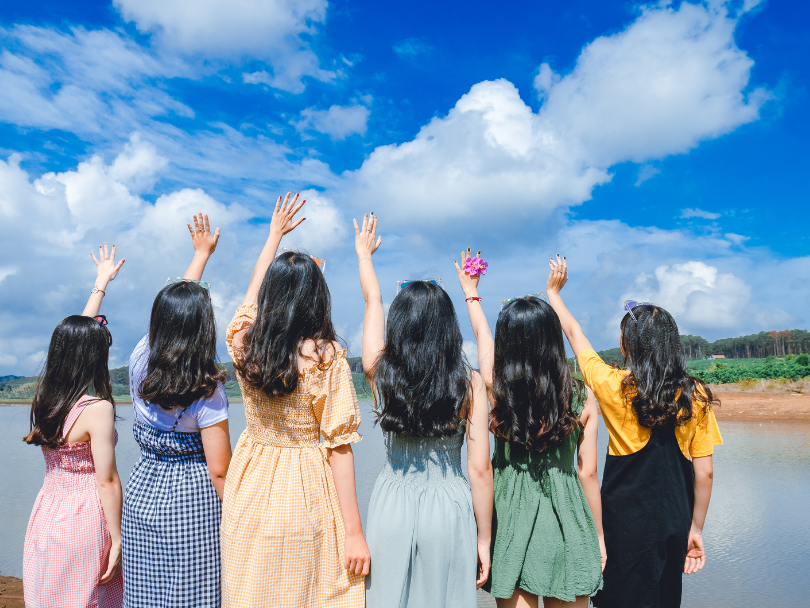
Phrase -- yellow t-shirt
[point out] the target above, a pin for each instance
(697, 437)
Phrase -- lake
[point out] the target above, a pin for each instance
(757, 532)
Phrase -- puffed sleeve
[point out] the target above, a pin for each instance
(245, 315)
(707, 433)
(335, 404)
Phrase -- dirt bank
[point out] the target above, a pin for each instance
(11, 592)
(743, 405)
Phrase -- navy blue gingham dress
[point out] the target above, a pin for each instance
(170, 526)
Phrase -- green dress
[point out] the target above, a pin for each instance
(544, 536)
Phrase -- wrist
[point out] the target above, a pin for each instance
(101, 285)
(697, 528)
(470, 293)
(353, 531)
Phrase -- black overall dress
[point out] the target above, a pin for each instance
(647, 502)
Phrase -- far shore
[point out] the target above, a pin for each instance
(735, 404)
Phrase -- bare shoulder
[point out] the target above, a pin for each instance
(100, 407)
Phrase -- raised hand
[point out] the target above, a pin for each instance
(366, 241)
(105, 266)
(695, 556)
(204, 242)
(283, 221)
(558, 274)
(469, 283)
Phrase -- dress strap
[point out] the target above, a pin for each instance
(75, 412)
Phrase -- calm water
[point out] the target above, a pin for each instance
(757, 533)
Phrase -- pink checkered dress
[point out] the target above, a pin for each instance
(67, 543)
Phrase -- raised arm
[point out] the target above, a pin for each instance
(479, 467)
(107, 271)
(366, 242)
(204, 245)
(282, 223)
(483, 335)
(557, 277)
(586, 467)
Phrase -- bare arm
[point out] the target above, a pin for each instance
(216, 440)
(281, 224)
(366, 242)
(586, 467)
(107, 271)
(483, 335)
(204, 245)
(557, 277)
(98, 420)
(704, 475)
(479, 467)
(356, 558)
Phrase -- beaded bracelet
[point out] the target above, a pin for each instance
(474, 298)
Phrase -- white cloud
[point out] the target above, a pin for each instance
(81, 81)
(49, 225)
(645, 173)
(696, 293)
(338, 121)
(706, 215)
(412, 47)
(668, 81)
(271, 30)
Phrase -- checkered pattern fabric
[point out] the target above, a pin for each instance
(282, 530)
(67, 544)
(170, 526)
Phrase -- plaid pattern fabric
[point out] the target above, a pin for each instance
(282, 530)
(170, 525)
(67, 544)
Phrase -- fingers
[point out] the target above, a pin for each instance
(365, 222)
(207, 224)
(106, 251)
(196, 223)
(298, 208)
(278, 205)
(379, 242)
(118, 267)
(190, 230)
(356, 229)
(112, 254)
(94, 258)
(295, 225)
(366, 567)
(286, 202)
(101, 255)
(216, 236)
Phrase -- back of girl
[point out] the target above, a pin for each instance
(428, 528)
(172, 507)
(547, 523)
(291, 531)
(72, 555)
(658, 472)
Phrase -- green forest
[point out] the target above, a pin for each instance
(766, 355)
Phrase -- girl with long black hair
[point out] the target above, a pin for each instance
(172, 507)
(291, 532)
(547, 522)
(658, 473)
(428, 528)
(72, 553)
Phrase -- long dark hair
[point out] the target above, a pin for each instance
(183, 348)
(658, 385)
(294, 306)
(532, 387)
(422, 374)
(78, 358)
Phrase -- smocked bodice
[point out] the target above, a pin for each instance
(424, 460)
(70, 465)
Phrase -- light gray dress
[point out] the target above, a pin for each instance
(421, 529)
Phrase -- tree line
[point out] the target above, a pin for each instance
(760, 345)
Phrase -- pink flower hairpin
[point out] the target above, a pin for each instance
(475, 267)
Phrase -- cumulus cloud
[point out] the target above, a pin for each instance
(646, 172)
(270, 30)
(50, 224)
(706, 215)
(671, 79)
(338, 121)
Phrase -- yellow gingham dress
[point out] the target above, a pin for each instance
(282, 530)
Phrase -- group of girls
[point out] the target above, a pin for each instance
(276, 523)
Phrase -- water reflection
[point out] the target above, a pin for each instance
(757, 533)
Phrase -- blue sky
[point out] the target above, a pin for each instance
(659, 146)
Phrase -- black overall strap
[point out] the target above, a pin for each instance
(647, 501)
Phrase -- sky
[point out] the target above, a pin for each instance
(660, 147)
